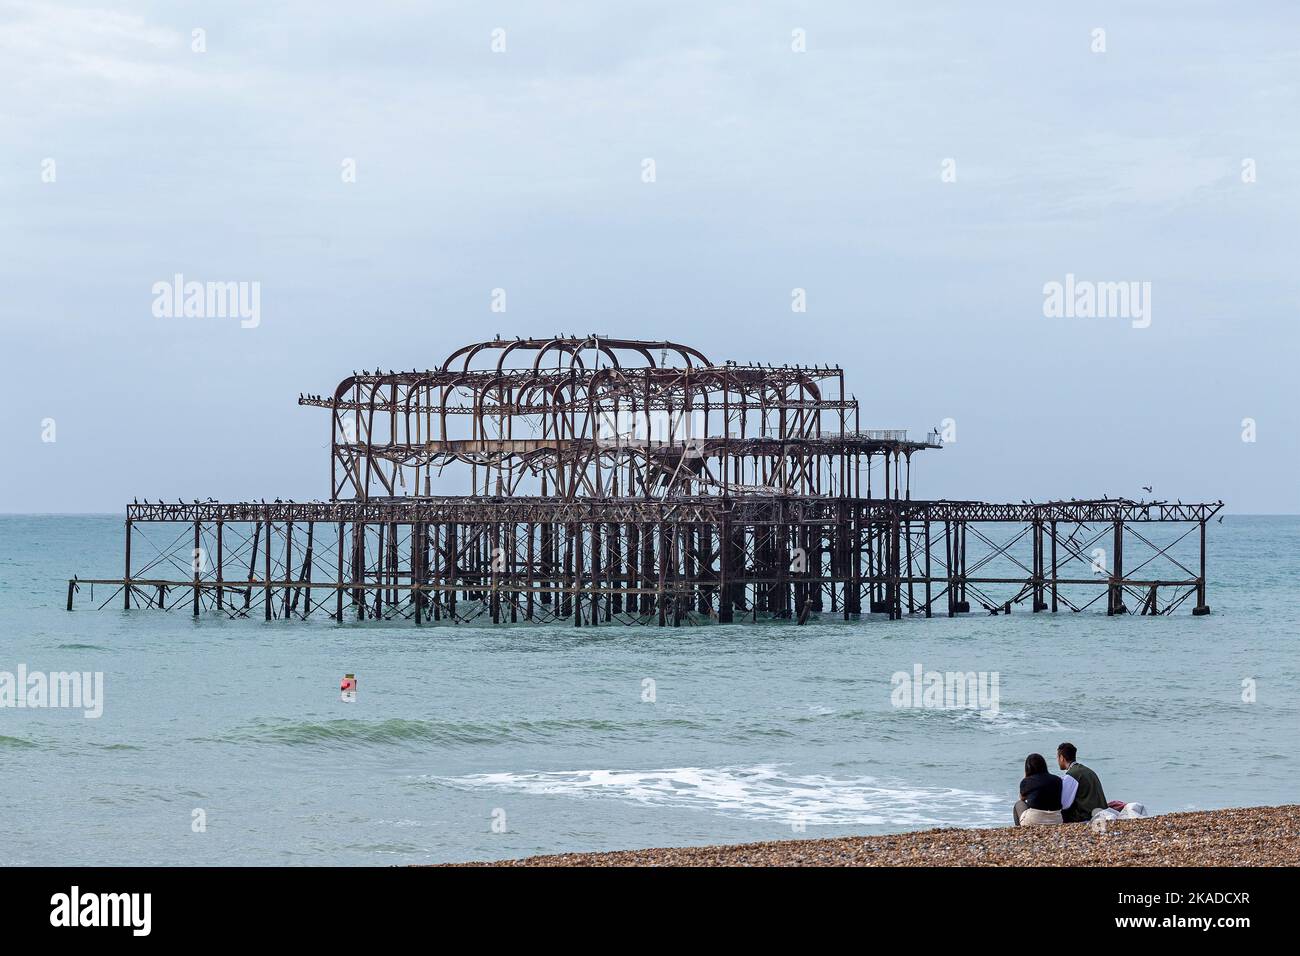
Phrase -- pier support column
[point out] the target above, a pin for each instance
(704, 568)
(952, 576)
(1201, 608)
(220, 562)
(359, 568)
(1040, 561)
(197, 561)
(417, 572)
(530, 578)
(661, 597)
(963, 605)
(288, 565)
(266, 565)
(546, 533)
(725, 555)
(1054, 568)
(451, 570)
(252, 567)
(338, 583)
(927, 570)
(576, 570)
(126, 585)
(781, 558)
(494, 574)
(907, 534)
(303, 592)
(1115, 598)
(853, 556)
(894, 596)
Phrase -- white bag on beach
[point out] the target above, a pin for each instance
(1133, 811)
(1105, 813)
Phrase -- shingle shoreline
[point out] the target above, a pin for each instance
(1254, 836)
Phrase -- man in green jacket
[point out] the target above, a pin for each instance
(1088, 796)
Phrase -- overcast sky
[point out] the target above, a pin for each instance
(774, 170)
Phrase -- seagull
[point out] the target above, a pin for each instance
(1220, 519)
(1146, 488)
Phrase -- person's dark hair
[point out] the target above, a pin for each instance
(1035, 763)
(1068, 751)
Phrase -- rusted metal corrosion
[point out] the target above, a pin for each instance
(596, 480)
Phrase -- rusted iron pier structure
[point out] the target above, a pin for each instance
(602, 480)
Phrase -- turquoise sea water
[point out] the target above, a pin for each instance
(475, 742)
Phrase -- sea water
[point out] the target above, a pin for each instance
(226, 742)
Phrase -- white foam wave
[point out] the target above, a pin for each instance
(1011, 722)
(760, 793)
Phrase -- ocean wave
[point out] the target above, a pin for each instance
(762, 792)
(16, 743)
(1011, 721)
(394, 731)
(1001, 721)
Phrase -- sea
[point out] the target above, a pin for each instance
(225, 741)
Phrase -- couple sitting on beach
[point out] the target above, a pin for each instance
(1047, 798)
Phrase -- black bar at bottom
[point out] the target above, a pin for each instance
(335, 905)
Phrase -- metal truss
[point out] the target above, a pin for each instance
(623, 481)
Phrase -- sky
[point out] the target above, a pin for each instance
(921, 170)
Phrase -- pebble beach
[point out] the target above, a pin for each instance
(1254, 836)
